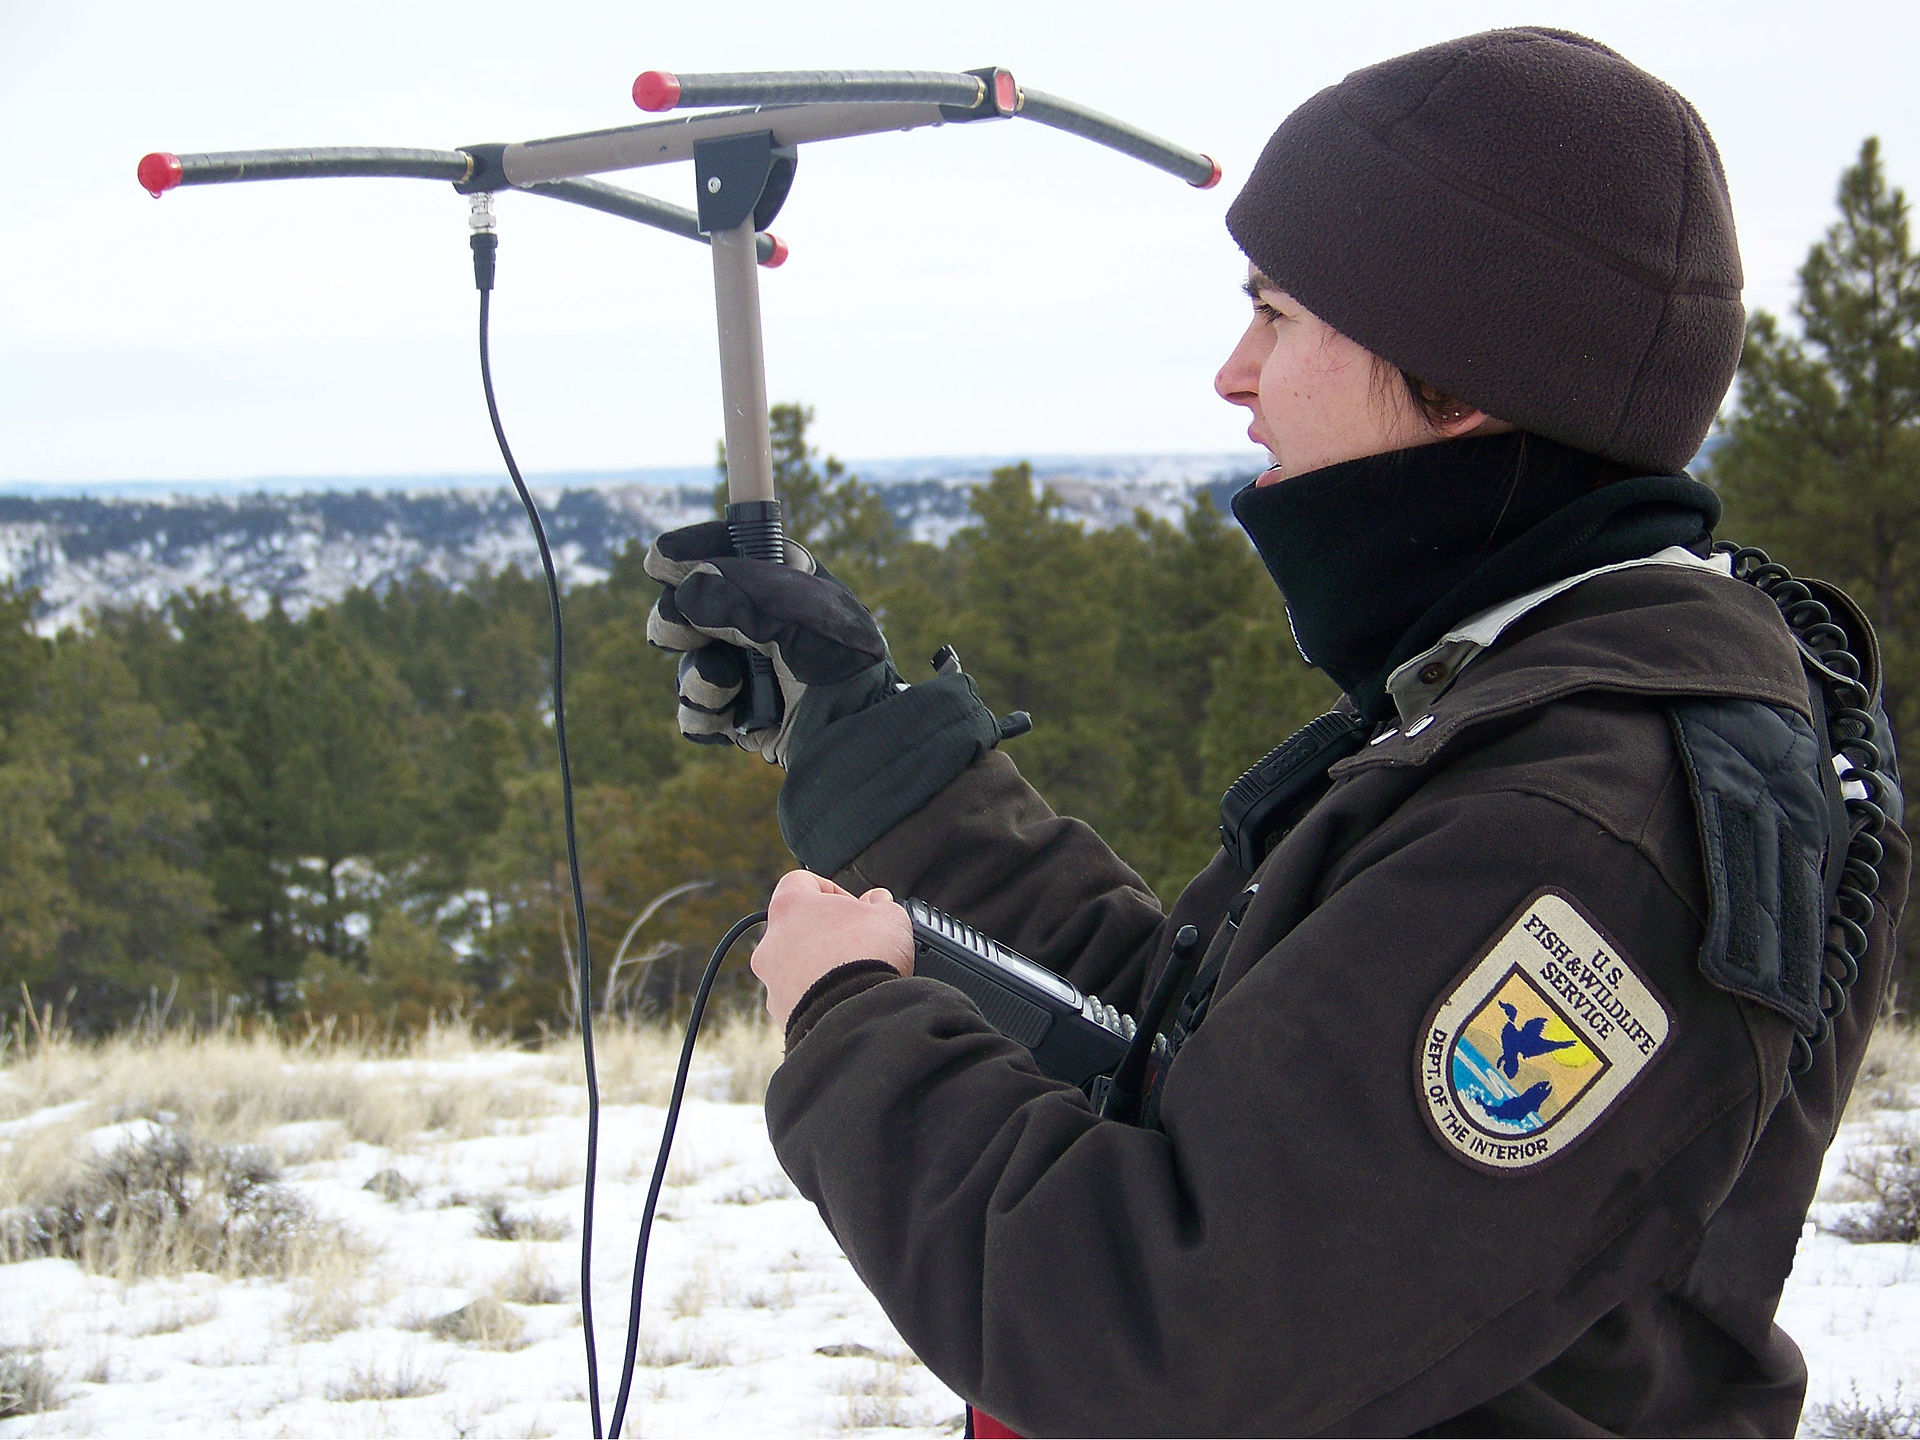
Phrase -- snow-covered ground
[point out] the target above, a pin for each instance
(753, 1322)
(1854, 1309)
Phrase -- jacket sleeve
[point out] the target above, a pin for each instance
(988, 849)
(1297, 1252)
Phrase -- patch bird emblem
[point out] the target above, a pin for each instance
(1524, 1042)
(1519, 1107)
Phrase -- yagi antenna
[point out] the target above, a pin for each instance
(744, 161)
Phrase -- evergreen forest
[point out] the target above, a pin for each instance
(354, 814)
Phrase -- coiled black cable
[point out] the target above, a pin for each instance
(1854, 734)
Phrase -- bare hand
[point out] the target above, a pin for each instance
(814, 926)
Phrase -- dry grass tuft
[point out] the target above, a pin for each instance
(765, 1297)
(751, 1049)
(36, 1165)
(27, 1385)
(1894, 1419)
(635, 1062)
(330, 1295)
(702, 1352)
(1890, 1074)
(407, 1379)
(500, 1221)
(308, 1142)
(233, 1087)
(544, 1179)
(100, 1368)
(484, 1322)
(876, 1398)
(735, 1057)
(1885, 1172)
(530, 1282)
(758, 1192)
(165, 1203)
(690, 1300)
(177, 1315)
(683, 1170)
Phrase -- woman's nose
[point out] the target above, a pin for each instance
(1238, 380)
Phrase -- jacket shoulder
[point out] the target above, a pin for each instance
(1654, 632)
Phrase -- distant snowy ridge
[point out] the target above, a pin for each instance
(127, 544)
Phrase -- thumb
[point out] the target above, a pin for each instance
(879, 895)
(805, 882)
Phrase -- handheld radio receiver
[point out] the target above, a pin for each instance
(1074, 1036)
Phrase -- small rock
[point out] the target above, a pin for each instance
(391, 1185)
(483, 1322)
(847, 1352)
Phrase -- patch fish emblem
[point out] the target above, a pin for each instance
(1537, 1039)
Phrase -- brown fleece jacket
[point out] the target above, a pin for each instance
(1302, 1248)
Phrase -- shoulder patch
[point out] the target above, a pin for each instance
(1536, 1039)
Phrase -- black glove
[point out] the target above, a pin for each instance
(825, 647)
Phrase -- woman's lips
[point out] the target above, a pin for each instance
(1272, 473)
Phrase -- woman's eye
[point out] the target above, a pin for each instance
(1265, 311)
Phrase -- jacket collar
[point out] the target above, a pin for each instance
(1380, 556)
(1658, 628)
(1417, 684)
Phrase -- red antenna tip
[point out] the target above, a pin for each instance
(1213, 179)
(779, 256)
(159, 172)
(656, 90)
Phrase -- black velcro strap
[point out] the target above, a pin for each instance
(855, 779)
(1764, 829)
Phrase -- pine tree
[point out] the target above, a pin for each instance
(1820, 462)
(138, 909)
(350, 771)
(523, 944)
(713, 824)
(1038, 627)
(620, 690)
(411, 980)
(1181, 590)
(36, 902)
(227, 676)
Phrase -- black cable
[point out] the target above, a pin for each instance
(484, 246)
(1853, 733)
(740, 927)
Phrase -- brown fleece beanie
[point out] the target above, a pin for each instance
(1526, 221)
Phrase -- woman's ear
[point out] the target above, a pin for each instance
(1460, 418)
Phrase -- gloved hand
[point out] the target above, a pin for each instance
(826, 649)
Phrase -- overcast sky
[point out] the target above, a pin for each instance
(995, 289)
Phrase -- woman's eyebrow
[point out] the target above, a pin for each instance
(1255, 283)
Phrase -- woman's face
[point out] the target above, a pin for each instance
(1316, 396)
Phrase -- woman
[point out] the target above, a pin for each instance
(1492, 1109)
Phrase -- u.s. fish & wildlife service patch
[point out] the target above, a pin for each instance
(1537, 1039)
